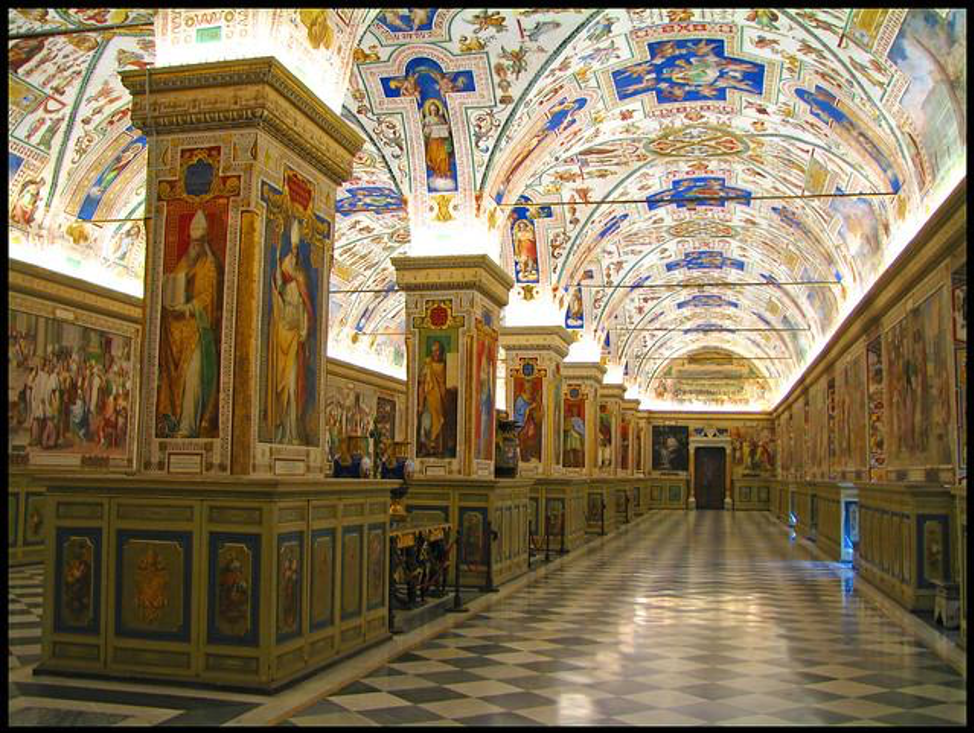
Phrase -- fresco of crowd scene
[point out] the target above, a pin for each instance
(71, 398)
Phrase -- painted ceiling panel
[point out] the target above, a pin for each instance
(590, 141)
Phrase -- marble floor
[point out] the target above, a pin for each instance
(697, 618)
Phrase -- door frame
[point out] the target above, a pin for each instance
(710, 442)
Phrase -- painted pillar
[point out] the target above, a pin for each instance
(244, 161)
(453, 306)
(534, 393)
(580, 396)
(610, 405)
(627, 437)
(641, 447)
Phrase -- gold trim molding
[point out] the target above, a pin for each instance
(454, 272)
(255, 93)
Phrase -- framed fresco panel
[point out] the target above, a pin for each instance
(290, 569)
(73, 386)
(13, 517)
(473, 525)
(34, 505)
(555, 516)
(232, 616)
(670, 447)
(323, 559)
(916, 365)
(153, 581)
(351, 595)
(960, 355)
(77, 580)
(376, 567)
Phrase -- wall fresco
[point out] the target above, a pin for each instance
(671, 447)
(918, 381)
(753, 448)
(73, 386)
(484, 387)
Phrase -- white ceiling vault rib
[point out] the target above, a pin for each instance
(792, 119)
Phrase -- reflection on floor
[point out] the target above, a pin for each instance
(695, 618)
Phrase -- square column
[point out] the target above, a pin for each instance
(453, 309)
(627, 437)
(610, 407)
(534, 393)
(582, 381)
(244, 161)
(641, 446)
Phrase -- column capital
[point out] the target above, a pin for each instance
(584, 371)
(556, 339)
(259, 93)
(454, 272)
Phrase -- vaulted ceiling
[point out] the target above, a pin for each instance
(696, 191)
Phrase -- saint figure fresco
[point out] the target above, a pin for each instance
(189, 361)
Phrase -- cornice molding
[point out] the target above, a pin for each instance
(338, 369)
(536, 338)
(252, 93)
(454, 272)
(70, 291)
(581, 371)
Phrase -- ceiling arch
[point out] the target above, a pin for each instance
(839, 129)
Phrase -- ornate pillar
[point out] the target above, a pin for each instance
(452, 314)
(244, 161)
(534, 392)
(610, 405)
(580, 397)
(641, 447)
(627, 437)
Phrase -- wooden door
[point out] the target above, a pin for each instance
(709, 469)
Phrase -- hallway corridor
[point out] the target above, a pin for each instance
(686, 618)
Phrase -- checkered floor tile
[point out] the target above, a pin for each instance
(697, 618)
(25, 602)
(694, 618)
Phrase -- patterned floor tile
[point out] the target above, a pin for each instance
(696, 618)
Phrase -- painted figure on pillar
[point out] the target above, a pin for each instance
(189, 345)
(529, 412)
(436, 406)
(486, 360)
(624, 445)
(294, 240)
(574, 430)
(525, 251)
(605, 437)
(292, 318)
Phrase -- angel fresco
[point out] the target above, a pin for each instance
(440, 159)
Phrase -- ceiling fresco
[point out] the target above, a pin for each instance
(718, 183)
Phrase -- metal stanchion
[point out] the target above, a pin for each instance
(458, 606)
(603, 515)
(547, 538)
(489, 580)
(393, 546)
(562, 550)
(627, 507)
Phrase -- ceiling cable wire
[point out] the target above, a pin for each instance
(690, 200)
